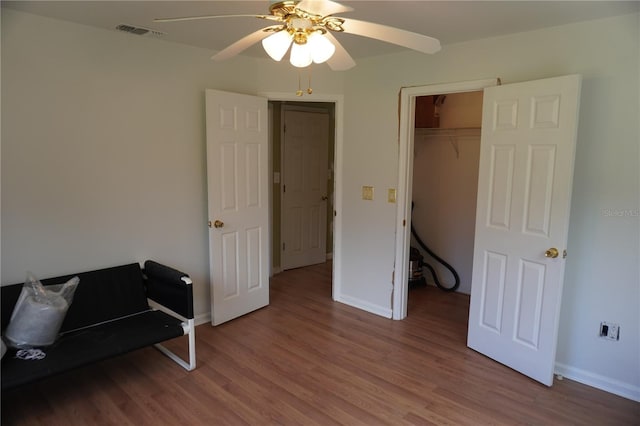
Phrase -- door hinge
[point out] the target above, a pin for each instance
(284, 188)
(283, 246)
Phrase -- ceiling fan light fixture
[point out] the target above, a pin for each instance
(320, 47)
(300, 55)
(295, 21)
(277, 44)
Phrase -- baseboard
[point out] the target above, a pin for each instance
(607, 384)
(365, 306)
(203, 319)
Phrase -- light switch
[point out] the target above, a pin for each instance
(367, 192)
(391, 197)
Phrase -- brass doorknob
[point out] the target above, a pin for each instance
(552, 253)
(218, 224)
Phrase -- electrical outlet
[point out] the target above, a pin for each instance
(609, 330)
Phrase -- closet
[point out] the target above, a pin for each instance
(445, 181)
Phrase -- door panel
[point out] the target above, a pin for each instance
(237, 175)
(524, 193)
(501, 182)
(539, 189)
(529, 303)
(495, 267)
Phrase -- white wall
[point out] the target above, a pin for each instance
(602, 277)
(103, 161)
(103, 147)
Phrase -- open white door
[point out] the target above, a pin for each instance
(522, 220)
(237, 176)
(304, 197)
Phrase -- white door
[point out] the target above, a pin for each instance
(304, 189)
(237, 176)
(524, 194)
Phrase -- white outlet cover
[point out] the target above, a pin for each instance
(612, 330)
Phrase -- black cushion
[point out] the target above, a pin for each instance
(165, 286)
(101, 295)
(82, 347)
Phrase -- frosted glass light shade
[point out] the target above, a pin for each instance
(300, 55)
(277, 44)
(321, 47)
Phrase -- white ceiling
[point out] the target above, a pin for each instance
(449, 21)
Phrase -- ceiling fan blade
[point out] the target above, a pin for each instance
(415, 41)
(341, 60)
(322, 7)
(195, 18)
(243, 44)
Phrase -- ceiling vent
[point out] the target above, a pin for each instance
(139, 30)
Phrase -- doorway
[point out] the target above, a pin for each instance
(405, 178)
(445, 183)
(524, 192)
(337, 101)
(303, 142)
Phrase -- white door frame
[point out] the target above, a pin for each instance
(338, 101)
(405, 179)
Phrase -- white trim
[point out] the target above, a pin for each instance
(607, 384)
(157, 306)
(203, 319)
(365, 306)
(338, 100)
(151, 308)
(189, 330)
(282, 185)
(270, 167)
(405, 179)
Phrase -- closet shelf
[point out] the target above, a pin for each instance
(450, 134)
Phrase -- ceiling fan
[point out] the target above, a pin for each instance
(308, 26)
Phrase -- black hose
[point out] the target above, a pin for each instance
(440, 260)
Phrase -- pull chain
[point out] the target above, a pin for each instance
(299, 91)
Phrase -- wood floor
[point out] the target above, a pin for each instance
(306, 360)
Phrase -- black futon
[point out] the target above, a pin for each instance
(109, 315)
